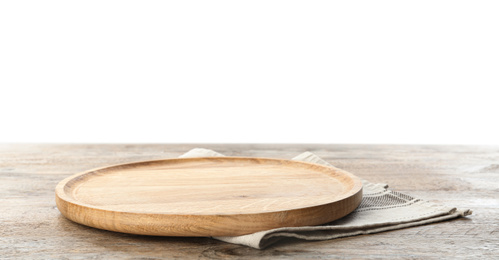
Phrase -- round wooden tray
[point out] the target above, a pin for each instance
(211, 196)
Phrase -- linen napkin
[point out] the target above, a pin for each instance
(381, 210)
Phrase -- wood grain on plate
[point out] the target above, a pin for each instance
(216, 196)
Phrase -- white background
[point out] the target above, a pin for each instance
(401, 72)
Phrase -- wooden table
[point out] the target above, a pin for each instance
(463, 176)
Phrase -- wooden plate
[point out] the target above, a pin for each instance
(212, 196)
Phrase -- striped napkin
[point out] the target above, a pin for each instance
(381, 210)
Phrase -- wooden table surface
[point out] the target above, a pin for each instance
(31, 227)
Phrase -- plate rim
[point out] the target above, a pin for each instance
(60, 188)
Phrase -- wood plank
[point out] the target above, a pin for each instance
(464, 176)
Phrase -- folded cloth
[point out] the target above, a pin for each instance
(380, 210)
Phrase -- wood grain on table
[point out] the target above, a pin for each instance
(31, 227)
